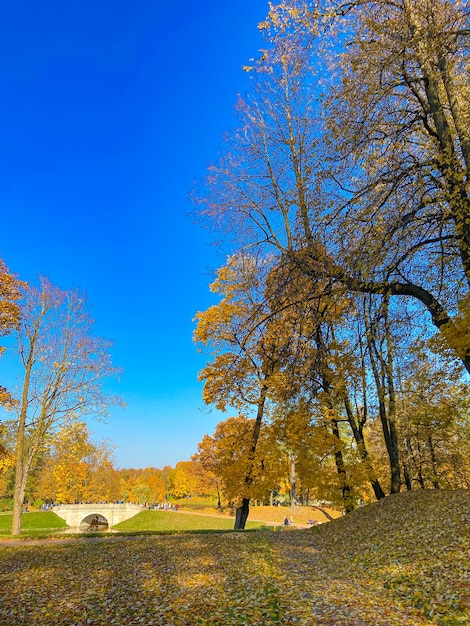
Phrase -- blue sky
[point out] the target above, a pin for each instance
(109, 111)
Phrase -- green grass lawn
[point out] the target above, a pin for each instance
(402, 561)
(33, 523)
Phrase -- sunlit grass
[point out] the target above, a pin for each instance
(299, 514)
(33, 523)
(169, 521)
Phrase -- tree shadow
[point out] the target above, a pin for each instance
(329, 517)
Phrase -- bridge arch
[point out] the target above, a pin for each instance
(94, 522)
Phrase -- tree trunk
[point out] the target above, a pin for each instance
(23, 455)
(22, 464)
(448, 161)
(382, 378)
(341, 469)
(439, 316)
(242, 511)
(293, 486)
(327, 377)
(18, 500)
(420, 477)
(406, 475)
(357, 428)
(432, 453)
(392, 404)
(241, 514)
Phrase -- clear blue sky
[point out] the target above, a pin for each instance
(108, 111)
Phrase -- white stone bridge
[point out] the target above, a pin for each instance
(77, 515)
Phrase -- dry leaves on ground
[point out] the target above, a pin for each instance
(403, 561)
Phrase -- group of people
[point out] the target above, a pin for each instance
(164, 506)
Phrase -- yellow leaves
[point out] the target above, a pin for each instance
(228, 454)
(185, 480)
(214, 323)
(281, 16)
(7, 461)
(77, 469)
(457, 332)
(10, 292)
(145, 485)
(6, 399)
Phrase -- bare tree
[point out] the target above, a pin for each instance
(64, 367)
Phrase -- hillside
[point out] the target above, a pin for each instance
(417, 543)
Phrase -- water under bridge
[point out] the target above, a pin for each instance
(77, 515)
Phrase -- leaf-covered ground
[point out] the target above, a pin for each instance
(402, 561)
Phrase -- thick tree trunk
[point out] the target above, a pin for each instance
(242, 511)
(241, 514)
(392, 404)
(18, 500)
(406, 475)
(391, 449)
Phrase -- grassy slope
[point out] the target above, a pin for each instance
(403, 561)
(33, 522)
(169, 521)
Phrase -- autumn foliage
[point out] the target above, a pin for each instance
(76, 469)
(344, 199)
